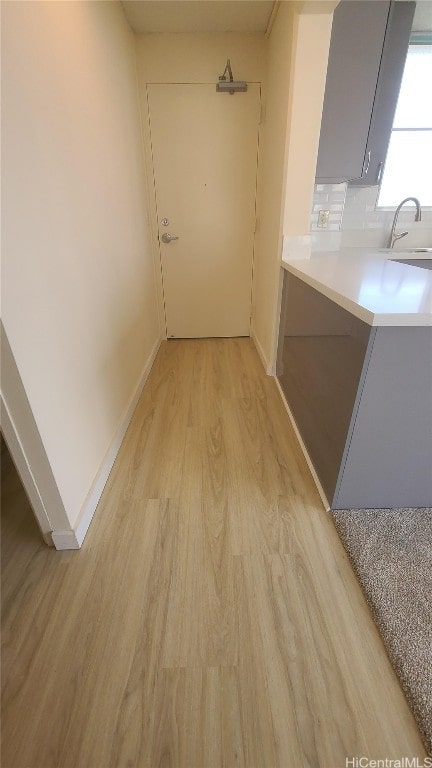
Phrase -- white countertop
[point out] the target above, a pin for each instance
(366, 282)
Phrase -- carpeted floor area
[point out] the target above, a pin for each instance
(391, 551)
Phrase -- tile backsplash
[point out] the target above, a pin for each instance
(354, 215)
(328, 197)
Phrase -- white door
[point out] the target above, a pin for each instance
(205, 147)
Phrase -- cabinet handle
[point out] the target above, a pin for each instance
(366, 164)
(380, 167)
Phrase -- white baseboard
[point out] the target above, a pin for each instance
(73, 539)
(65, 540)
(303, 447)
(259, 349)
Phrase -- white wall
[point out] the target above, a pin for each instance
(312, 33)
(199, 57)
(271, 180)
(297, 53)
(79, 299)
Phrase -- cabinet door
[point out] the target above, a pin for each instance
(389, 80)
(321, 352)
(388, 462)
(356, 46)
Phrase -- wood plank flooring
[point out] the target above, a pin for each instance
(211, 618)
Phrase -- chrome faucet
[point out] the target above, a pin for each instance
(393, 237)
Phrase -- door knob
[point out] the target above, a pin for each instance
(166, 237)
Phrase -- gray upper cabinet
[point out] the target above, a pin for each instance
(390, 76)
(367, 54)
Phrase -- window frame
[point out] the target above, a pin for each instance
(416, 38)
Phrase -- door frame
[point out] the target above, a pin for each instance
(22, 465)
(152, 199)
(26, 448)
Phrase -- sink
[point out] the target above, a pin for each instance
(422, 262)
(413, 250)
(400, 254)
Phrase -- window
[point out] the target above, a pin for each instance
(408, 167)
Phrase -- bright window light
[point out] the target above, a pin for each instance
(408, 167)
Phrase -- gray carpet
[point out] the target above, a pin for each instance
(391, 551)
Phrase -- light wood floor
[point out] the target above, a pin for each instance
(211, 617)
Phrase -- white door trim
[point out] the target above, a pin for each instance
(22, 465)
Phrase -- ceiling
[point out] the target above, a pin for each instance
(198, 15)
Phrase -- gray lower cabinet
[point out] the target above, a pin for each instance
(361, 398)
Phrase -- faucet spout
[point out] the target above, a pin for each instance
(393, 237)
